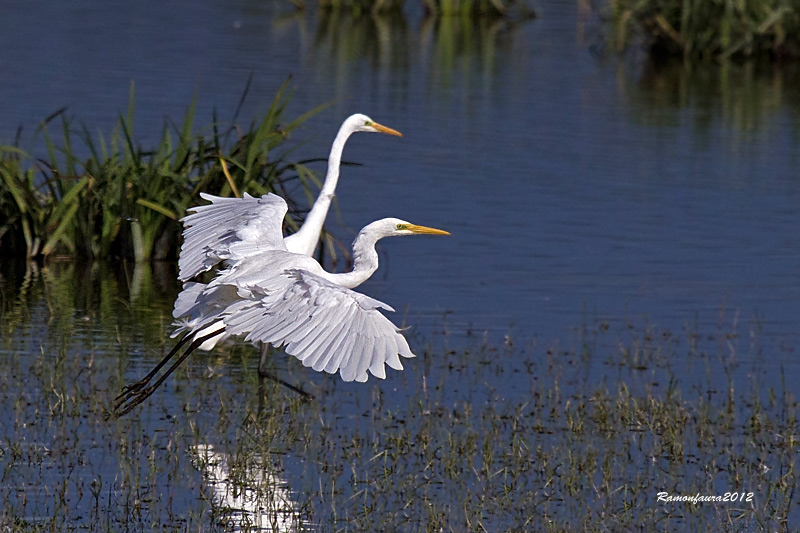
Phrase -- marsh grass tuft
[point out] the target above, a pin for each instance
(480, 8)
(98, 196)
(708, 29)
(469, 9)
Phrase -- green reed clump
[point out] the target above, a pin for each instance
(468, 8)
(363, 6)
(100, 196)
(705, 29)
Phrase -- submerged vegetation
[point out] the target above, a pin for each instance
(708, 29)
(102, 196)
(582, 435)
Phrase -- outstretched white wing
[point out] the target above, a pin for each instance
(229, 228)
(324, 325)
(199, 309)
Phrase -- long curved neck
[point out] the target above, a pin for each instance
(365, 261)
(305, 240)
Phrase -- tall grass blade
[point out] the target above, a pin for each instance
(157, 208)
(61, 229)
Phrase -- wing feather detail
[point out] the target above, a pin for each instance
(268, 294)
(324, 325)
(229, 228)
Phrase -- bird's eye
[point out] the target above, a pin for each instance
(401, 227)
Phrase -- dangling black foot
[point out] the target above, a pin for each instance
(135, 393)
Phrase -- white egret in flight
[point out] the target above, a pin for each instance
(271, 295)
(201, 251)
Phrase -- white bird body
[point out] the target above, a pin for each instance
(205, 245)
(271, 295)
(272, 291)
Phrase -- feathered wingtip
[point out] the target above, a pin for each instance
(181, 325)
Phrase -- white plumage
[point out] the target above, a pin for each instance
(271, 290)
(271, 295)
(210, 230)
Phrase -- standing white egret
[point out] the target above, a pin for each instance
(271, 295)
(204, 241)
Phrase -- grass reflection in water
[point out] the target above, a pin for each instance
(508, 437)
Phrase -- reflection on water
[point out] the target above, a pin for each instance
(251, 495)
(71, 334)
(746, 96)
(69, 295)
(497, 435)
(445, 51)
(341, 37)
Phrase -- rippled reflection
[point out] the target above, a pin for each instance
(746, 96)
(247, 491)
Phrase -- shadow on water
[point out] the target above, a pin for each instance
(579, 434)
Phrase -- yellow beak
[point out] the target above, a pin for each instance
(426, 230)
(383, 129)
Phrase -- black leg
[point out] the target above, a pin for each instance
(134, 394)
(128, 390)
